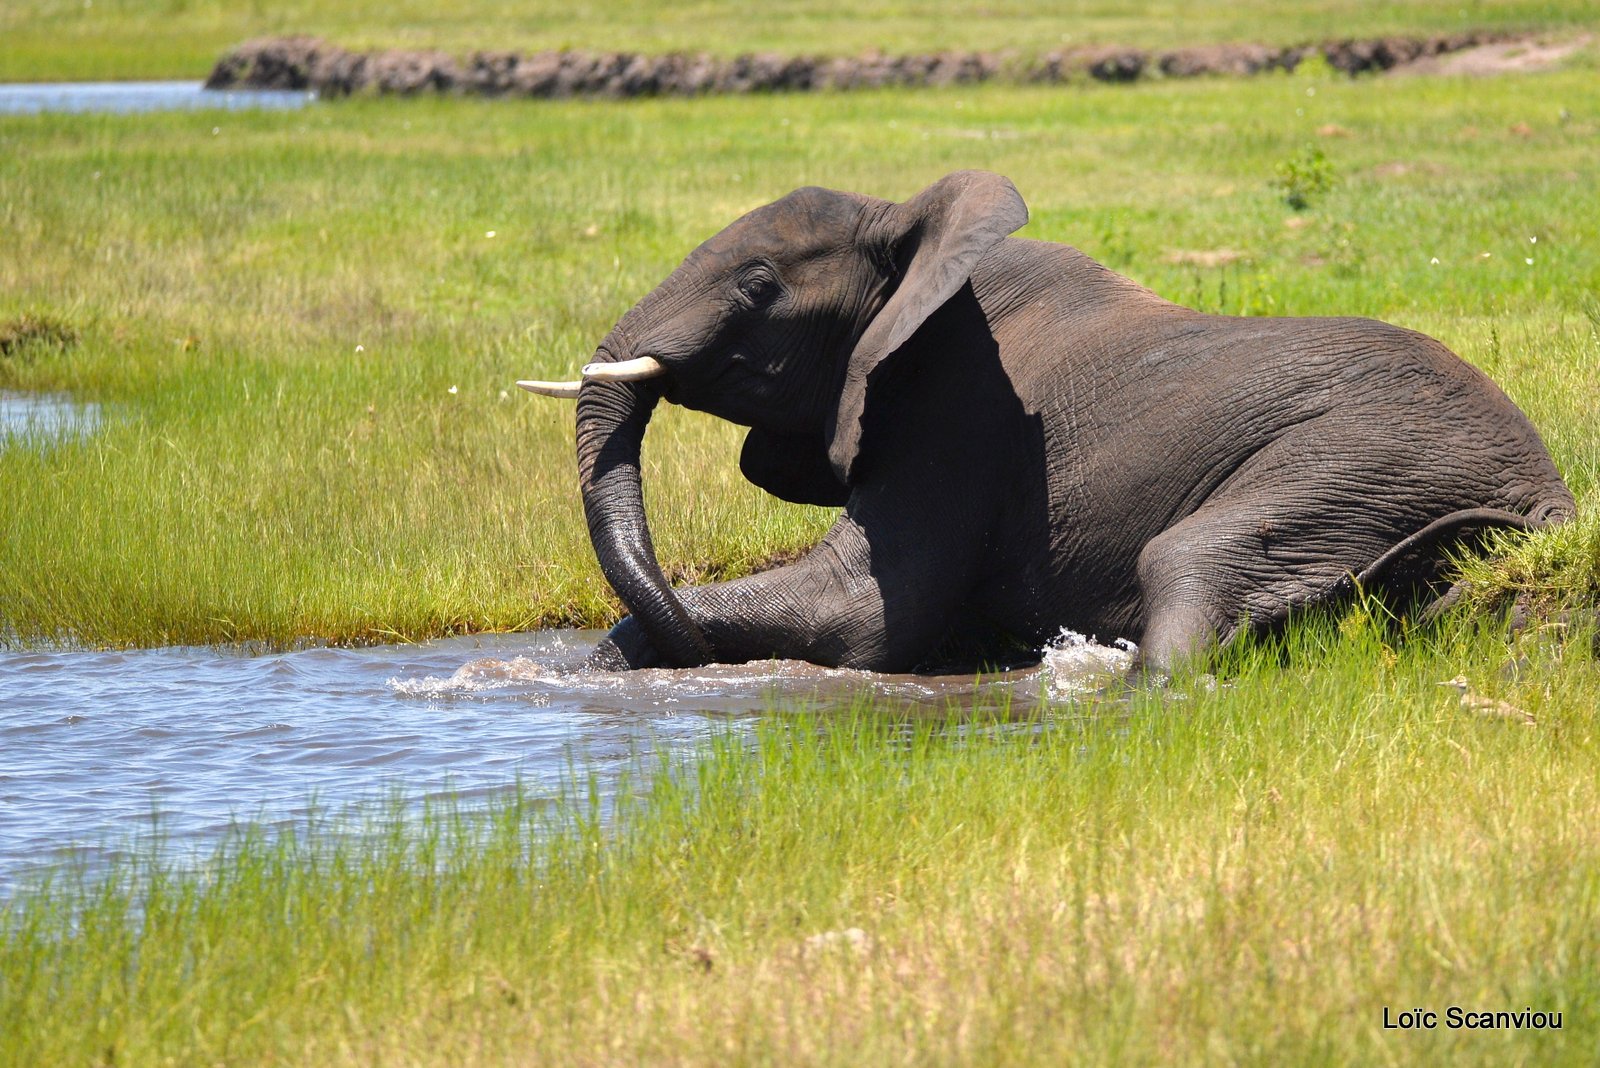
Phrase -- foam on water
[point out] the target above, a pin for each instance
(1074, 665)
(485, 675)
(557, 676)
(1079, 665)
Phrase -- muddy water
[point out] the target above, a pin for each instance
(103, 752)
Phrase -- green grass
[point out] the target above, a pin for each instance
(275, 307)
(75, 39)
(1249, 874)
(1242, 875)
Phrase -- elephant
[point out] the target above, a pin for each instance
(1022, 440)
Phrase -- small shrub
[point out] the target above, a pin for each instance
(30, 332)
(1591, 311)
(1304, 177)
(1314, 66)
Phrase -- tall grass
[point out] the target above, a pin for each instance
(305, 337)
(54, 40)
(1243, 873)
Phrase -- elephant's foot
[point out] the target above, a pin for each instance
(1175, 637)
(1196, 582)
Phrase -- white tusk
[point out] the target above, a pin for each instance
(567, 390)
(624, 370)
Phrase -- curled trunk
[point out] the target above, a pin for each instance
(611, 421)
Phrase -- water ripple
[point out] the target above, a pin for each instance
(98, 748)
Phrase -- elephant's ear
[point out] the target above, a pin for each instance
(934, 239)
(792, 467)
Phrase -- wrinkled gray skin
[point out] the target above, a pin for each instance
(1023, 440)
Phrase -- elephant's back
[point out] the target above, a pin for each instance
(1203, 395)
(1407, 431)
(1147, 414)
(1379, 402)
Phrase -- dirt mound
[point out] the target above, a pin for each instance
(32, 332)
(1502, 57)
(311, 63)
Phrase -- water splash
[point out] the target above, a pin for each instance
(1078, 665)
(484, 675)
(1073, 665)
(559, 676)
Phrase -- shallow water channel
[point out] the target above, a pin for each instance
(106, 752)
(40, 418)
(128, 97)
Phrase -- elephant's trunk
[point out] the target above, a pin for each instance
(612, 416)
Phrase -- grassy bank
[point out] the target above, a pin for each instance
(304, 326)
(1243, 875)
(52, 40)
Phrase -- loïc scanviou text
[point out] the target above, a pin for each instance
(1457, 1018)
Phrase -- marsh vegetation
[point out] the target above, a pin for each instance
(1245, 873)
(310, 322)
(304, 328)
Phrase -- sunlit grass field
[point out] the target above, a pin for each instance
(304, 327)
(56, 40)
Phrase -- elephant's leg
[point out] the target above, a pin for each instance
(878, 593)
(1255, 561)
(830, 607)
(1234, 566)
(876, 600)
(1185, 601)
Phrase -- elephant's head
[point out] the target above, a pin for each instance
(776, 323)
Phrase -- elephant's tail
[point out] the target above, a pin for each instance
(1417, 562)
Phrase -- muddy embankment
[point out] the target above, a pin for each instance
(311, 63)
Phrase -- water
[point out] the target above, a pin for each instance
(94, 746)
(127, 97)
(43, 417)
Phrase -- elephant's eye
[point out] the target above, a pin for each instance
(758, 288)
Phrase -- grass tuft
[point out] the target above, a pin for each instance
(1553, 575)
(25, 335)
